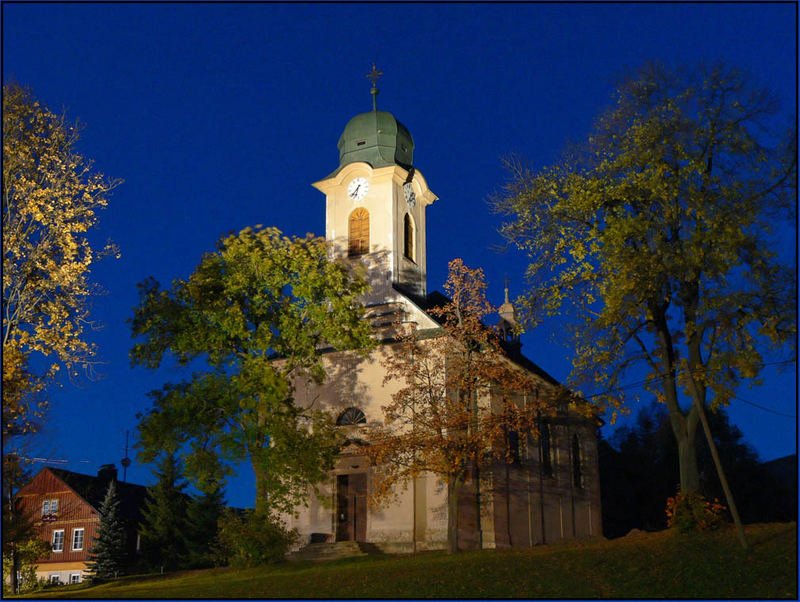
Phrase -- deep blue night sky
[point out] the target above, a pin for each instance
(220, 116)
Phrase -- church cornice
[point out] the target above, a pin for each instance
(399, 175)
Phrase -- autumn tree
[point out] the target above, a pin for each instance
(253, 317)
(460, 398)
(51, 197)
(656, 237)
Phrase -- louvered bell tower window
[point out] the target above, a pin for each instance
(359, 233)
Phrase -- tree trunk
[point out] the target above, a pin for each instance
(453, 491)
(684, 426)
(261, 504)
(687, 461)
(508, 504)
(477, 475)
(14, 568)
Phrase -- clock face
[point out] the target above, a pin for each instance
(408, 193)
(357, 189)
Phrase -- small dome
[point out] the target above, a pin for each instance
(376, 138)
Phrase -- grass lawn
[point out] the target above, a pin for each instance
(646, 565)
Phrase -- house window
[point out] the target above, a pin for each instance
(577, 474)
(55, 579)
(351, 416)
(77, 540)
(408, 237)
(359, 232)
(75, 578)
(58, 540)
(546, 449)
(49, 507)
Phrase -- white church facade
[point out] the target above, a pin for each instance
(376, 202)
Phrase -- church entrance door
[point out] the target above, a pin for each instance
(351, 507)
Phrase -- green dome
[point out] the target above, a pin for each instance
(376, 138)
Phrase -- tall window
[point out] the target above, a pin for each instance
(408, 237)
(546, 449)
(359, 232)
(77, 540)
(58, 540)
(577, 475)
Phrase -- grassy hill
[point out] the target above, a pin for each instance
(644, 565)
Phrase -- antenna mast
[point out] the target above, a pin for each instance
(126, 461)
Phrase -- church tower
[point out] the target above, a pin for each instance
(376, 201)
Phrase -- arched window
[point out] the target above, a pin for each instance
(546, 449)
(408, 237)
(351, 416)
(577, 475)
(359, 232)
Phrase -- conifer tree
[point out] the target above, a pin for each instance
(109, 555)
(202, 517)
(163, 528)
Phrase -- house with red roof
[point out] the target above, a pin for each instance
(65, 509)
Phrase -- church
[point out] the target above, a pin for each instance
(376, 201)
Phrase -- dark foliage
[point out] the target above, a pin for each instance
(164, 526)
(639, 471)
(202, 526)
(249, 538)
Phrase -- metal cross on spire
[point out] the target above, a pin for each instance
(373, 76)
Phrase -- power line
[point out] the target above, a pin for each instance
(654, 377)
(763, 408)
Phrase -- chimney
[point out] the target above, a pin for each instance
(107, 472)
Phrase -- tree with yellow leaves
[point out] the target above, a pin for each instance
(51, 197)
(657, 234)
(460, 400)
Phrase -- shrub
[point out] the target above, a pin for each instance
(27, 554)
(692, 512)
(247, 539)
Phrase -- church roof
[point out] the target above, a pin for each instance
(376, 138)
(437, 299)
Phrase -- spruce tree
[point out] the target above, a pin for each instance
(109, 554)
(203, 514)
(164, 526)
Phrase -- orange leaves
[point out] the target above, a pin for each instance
(461, 394)
(692, 512)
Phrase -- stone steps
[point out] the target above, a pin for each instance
(325, 552)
